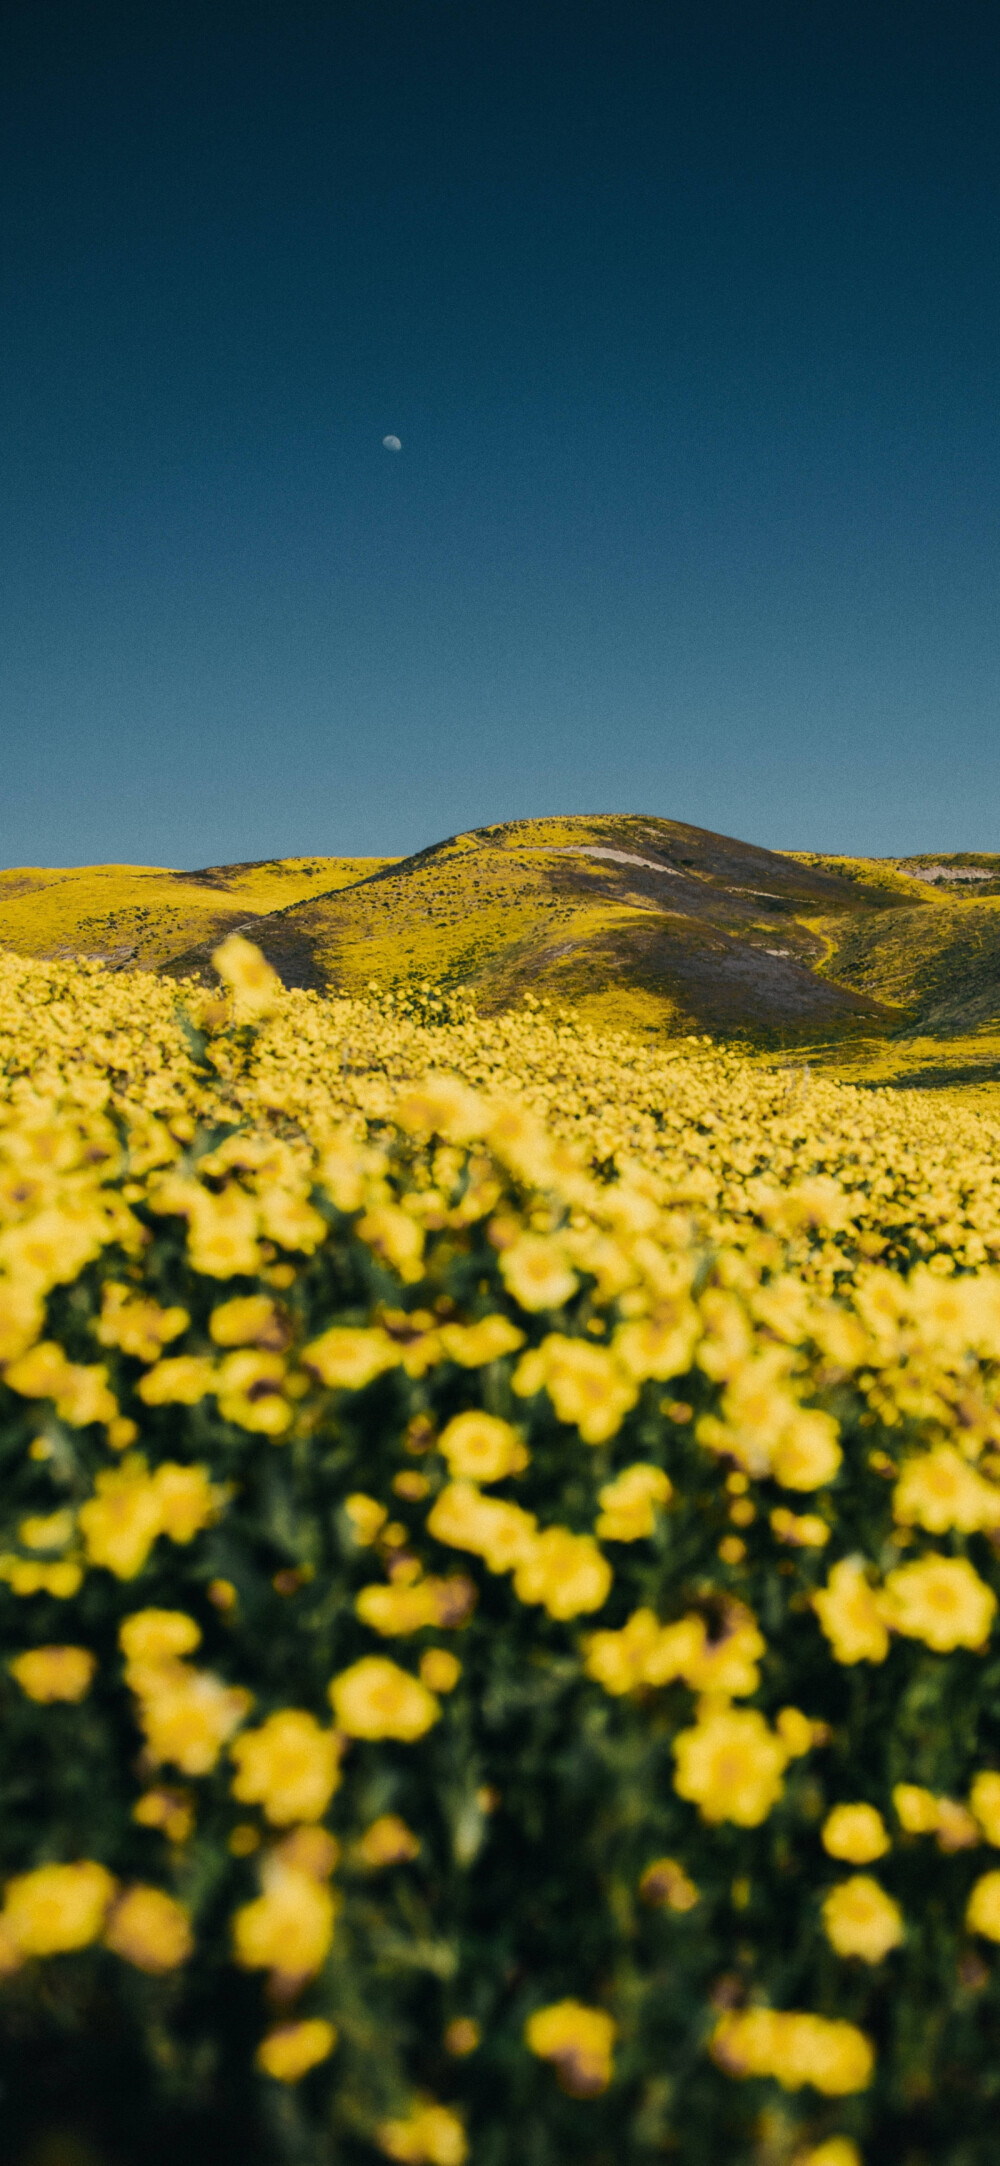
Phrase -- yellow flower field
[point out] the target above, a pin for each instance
(499, 1564)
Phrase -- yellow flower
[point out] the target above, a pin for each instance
(661, 1345)
(55, 1673)
(983, 1910)
(22, 1314)
(728, 1337)
(170, 1810)
(837, 2151)
(916, 1809)
(346, 1359)
(51, 1248)
(747, 2043)
(121, 1521)
(441, 1106)
(942, 1601)
(502, 1534)
(222, 1232)
(290, 1766)
(764, 1428)
(388, 1841)
(587, 1385)
(62, 1580)
(38, 1375)
(984, 1799)
(808, 1454)
(440, 1670)
(84, 1397)
(797, 2048)
(613, 1270)
(249, 1320)
(120, 1524)
(731, 1766)
(249, 1388)
(756, 1408)
(182, 1380)
(957, 1828)
(666, 1884)
(186, 1498)
(121, 1433)
(287, 1218)
(158, 1635)
(727, 1664)
(288, 2052)
(398, 1610)
(80, 1394)
(189, 1715)
(57, 1907)
(395, 1237)
(367, 1518)
(645, 1652)
(430, 2136)
(149, 1929)
(618, 1660)
(783, 1305)
(374, 1698)
(536, 1271)
(287, 1929)
(856, 1833)
(803, 1530)
(565, 1572)
(797, 1733)
(940, 1490)
(403, 1608)
(257, 990)
(942, 1308)
(629, 1503)
(859, 1918)
(579, 2040)
(980, 1300)
(519, 1140)
(474, 1346)
(139, 1327)
(482, 1448)
(849, 1612)
(309, 1849)
(341, 1165)
(51, 1531)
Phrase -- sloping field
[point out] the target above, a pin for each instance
(140, 915)
(643, 923)
(931, 953)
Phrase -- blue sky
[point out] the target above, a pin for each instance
(687, 318)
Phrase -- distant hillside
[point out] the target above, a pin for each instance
(138, 916)
(640, 921)
(887, 969)
(940, 964)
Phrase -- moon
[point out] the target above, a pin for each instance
(391, 443)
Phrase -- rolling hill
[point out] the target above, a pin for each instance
(888, 969)
(639, 921)
(138, 916)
